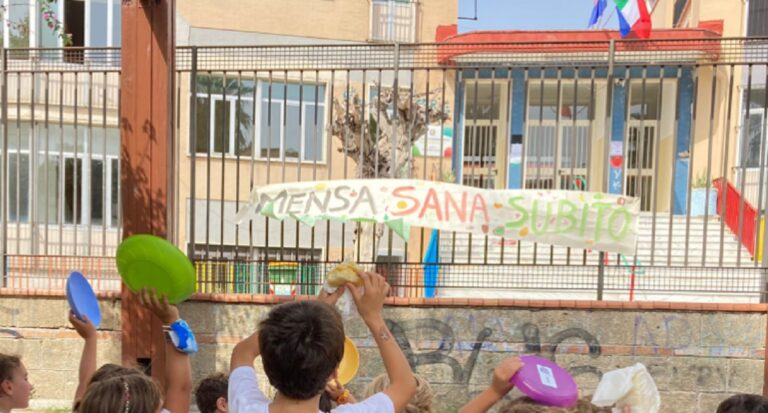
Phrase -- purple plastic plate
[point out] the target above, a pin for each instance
(545, 382)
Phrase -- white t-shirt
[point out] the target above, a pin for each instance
(244, 396)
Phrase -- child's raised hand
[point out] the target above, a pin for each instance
(334, 389)
(84, 327)
(331, 299)
(166, 312)
(371, 301)
(503, 373)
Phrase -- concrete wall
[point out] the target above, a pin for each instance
(697, 357)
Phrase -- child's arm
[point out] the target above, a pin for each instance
(499, 387)
(370, 304)
(245, 352)
(87, 331)
(178, 371)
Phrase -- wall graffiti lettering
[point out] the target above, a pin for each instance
(462, 373)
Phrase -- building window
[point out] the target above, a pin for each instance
(92, 23)
(393, 21)
(757, 20)
(69, 184)
(680, 10)
(752, 133)
(291, 121)
(224, 116)
(558, 129)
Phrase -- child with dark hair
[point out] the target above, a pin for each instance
(211, 394)
(178, 370)
(301, 344)
(744, 403)
(15, 388)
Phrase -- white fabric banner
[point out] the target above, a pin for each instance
(575, 219)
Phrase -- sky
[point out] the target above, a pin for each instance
(530, 15)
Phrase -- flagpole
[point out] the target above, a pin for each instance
(605, 22)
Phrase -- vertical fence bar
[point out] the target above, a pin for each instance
(625, 136)
(588, 161)
(574, 138)
(508, 139)
(87, 178)
(395, 131)
(4, 170)
(442, 151)
(299, 156)
(726, 149)
(606, 149)
(32, 196)
(656, 166)
(491, 146)
(556, 155)
(540, 143)
(236, 147)
(640, 138)
(675, 137)
(283, 157)
(360, 173)
(317, 152)
(269, 160)
(225, 144)
(742, 172)
(47, 154)
(209, 141)
(251, 257)
(710, 139)
(425, 154)
(329, 152)
(106, 199)
(193, 155)
(347, 98)
(60, 209)
(18, 161)
(474, 146)
(761, 180)
(524, 146)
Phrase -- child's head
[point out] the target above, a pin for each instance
(14, 383)
(527, 405)
(132, 393)
(107, 371)
(421, 402)
(301, 346)
(211, 394)
(524, 405)
(744, 403)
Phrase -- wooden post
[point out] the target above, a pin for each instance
(146, 155)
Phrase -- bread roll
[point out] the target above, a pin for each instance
(344, 273)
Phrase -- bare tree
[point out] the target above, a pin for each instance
(379, 137)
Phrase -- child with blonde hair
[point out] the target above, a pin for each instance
(131, 393)
(420, 403)
(15, 388)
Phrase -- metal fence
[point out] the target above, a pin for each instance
(679, 123)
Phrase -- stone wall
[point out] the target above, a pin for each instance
(697, 357)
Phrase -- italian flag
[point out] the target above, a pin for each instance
(634, 17)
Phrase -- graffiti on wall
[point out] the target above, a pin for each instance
(445, 354)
